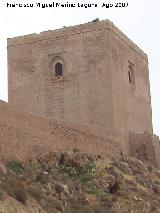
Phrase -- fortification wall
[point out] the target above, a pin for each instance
(26, 136)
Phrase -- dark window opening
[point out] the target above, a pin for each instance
(131, 74)
(58, 70)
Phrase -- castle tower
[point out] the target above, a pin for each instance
(91, 73)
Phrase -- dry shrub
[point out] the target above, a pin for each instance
(14, 189)
(20, 195)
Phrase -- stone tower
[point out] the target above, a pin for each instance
(91, 73)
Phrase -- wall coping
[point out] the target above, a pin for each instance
(72, 30)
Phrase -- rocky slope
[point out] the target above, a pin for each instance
(79, 183)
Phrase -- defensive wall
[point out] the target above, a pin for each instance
(25, 136)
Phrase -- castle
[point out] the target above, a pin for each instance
(85, 86)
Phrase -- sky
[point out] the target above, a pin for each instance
(140, 21)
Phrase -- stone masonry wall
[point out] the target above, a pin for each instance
(131, 101)
(93, 106)
(26, 136)
(94, 88)
(83, 94)
(146, 147)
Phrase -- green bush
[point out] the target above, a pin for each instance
(90, 168)
(69, 170)
(16, 167)
(93, 189)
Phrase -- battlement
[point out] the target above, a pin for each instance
(73, 30)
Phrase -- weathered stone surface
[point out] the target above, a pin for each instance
(94, 88)
(30, 137)
(100, 104)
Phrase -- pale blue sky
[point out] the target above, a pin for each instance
(140, 21)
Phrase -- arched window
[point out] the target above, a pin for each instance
(58, 70)
(131, 73)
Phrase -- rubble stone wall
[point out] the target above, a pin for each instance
(146, 147)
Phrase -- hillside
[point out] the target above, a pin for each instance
(76, 182)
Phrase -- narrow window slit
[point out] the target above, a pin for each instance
(131, 73)
(58, 70)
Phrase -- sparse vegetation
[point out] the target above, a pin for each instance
(82, 187)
